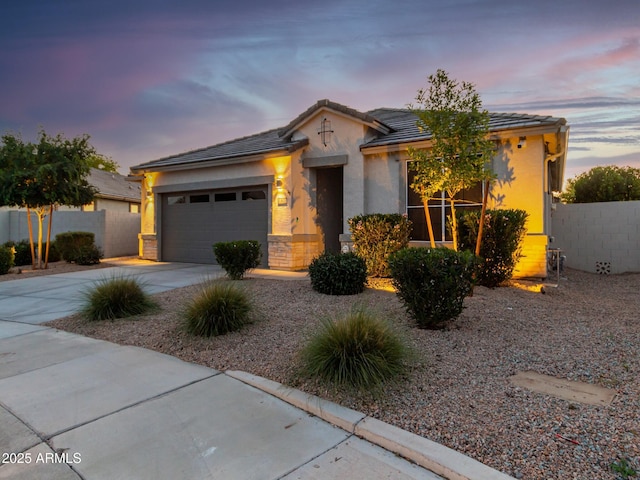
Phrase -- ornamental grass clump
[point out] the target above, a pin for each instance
(116, 297)
(357, 350)
(220, 307)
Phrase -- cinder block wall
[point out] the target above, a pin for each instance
(599, 237)
(4, 226)
(116, 233)
(121, 233)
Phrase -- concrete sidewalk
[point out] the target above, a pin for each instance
(73, 407)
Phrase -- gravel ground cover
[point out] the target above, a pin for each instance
(456, 390)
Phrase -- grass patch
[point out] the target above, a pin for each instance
(116, 297)
(358, 350)
(220, 307)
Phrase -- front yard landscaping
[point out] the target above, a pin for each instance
(456, 389)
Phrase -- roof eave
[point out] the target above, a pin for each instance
(219, 161)
(497, 134)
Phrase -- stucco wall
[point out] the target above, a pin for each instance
(384, 190)
(596, 237)
(520, 180)
(4, 225)
(346, 139)
(116, 233)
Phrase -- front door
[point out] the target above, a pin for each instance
(329, 206)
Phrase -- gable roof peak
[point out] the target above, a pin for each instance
(337, 107)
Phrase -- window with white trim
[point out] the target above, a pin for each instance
(439, 208)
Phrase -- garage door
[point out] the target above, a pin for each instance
(193, 221)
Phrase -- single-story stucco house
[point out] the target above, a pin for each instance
(294, 188)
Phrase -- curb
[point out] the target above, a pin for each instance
(430, 455)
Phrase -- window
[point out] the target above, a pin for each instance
(439, 208)
(254, 195)
(134, 207)
(200, 198)
(89, 207)
(225, 197)
(176, 199)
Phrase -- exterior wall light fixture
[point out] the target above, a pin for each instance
(522, 142)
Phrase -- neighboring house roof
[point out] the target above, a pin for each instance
(114, 186)
(394, 127)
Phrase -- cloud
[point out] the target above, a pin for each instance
(149, 79)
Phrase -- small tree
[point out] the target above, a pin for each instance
(603, 184)
(40, 176)
(460, 152)
(102, 162)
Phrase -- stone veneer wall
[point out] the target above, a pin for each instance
(292, 252)
(148, 249)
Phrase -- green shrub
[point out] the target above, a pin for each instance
(377, 236)
(6, 260)
(237, 257)
(74, 246)
(338, 273)
(22, 254)
(358, 350)
(54, 254)
(116, 297)
(502, 236)
(220, 307)
(87, 255)
(432, 283)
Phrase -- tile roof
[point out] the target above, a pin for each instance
(395, 126)
(260, 143)
(114, 186)
(406, 129)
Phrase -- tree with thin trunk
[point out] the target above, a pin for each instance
(39, 177)
(460, 153)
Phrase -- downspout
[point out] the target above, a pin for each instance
(552, 158)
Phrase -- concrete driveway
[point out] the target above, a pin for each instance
(73, 407)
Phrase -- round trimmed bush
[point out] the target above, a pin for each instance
(358, 350)
(432, 283)
(219, 308)
(238, 257)
(88, 255)
(338, 273)
(116, 297)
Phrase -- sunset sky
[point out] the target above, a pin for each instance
(148, 79)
